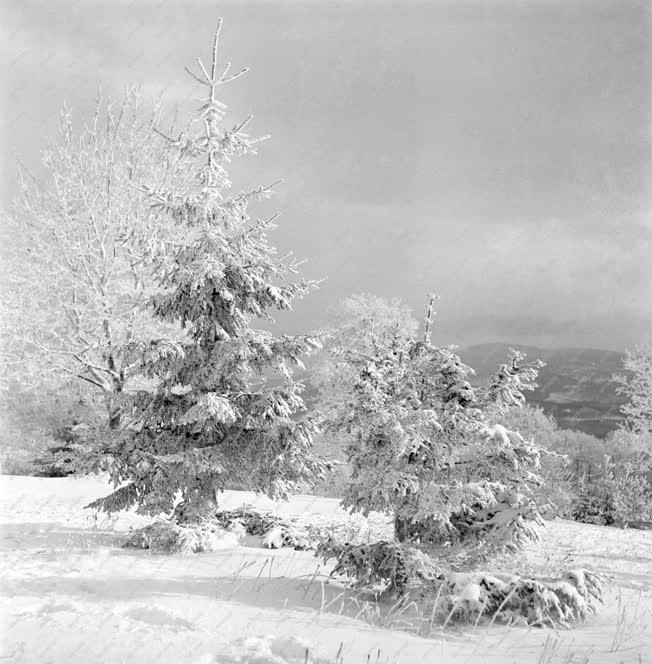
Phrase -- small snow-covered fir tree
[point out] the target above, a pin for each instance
(225, 407)
(421, 445)
(424, 446)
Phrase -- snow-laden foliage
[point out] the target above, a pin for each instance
(333, 379)
(390, 566)
(559, 456)
(637, 388)
(276, 531)
(619, 491)
(402, 568)
(554, 602)
(352, 320)
(78, 263)
(168, 537)
(421, 447)
(619, 494)
(196, 528)
(224, 406)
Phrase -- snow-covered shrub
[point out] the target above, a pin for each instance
(168, 537)
(42, 430)
(559, 486)
(74, 442)
(557, 602)
(194, 530)
(620, 495)
(299, 533)
(60, 461)
(17, 461)
(594, 502)
(633, 490)
(637, 388)
(352, 529)
(554, 602)
(402, 568)
(276, 531)
(388, 566)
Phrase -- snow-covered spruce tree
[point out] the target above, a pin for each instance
(225, 408)
(422, 448)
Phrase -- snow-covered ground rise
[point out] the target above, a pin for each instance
(71, 593)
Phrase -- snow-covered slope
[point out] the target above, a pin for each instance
(71, 594)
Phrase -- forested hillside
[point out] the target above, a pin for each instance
(575, 386)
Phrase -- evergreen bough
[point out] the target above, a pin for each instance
(224, 408)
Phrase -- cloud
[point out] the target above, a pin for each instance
(498, 155)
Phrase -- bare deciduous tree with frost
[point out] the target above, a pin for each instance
(637, 388)
(621, 493)
(78, 245)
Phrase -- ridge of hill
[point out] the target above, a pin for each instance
(576, 386)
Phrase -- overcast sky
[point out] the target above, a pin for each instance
(498, 153)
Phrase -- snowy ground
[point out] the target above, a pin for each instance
(71, 594)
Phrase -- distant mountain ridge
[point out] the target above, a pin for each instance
(576, 386)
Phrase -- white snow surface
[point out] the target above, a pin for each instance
(70, 594)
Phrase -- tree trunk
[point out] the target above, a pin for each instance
(117, 382)
(406, 530)
(114, 416)
(195, 511)
(400, 529)
(113, 406)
